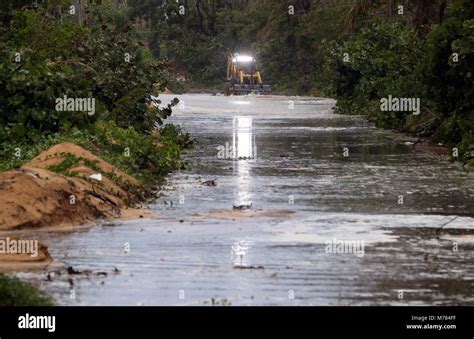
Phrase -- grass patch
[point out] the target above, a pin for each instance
(64, 166)
(14, 292)
(148, 158)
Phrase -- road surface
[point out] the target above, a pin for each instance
(312, 180)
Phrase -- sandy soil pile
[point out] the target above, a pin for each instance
(33, 196)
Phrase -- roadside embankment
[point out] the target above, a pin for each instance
(62, 188)
(65, 185)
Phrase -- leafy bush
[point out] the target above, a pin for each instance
(64, 59)
(377, 62)
(147, 157)
(28, 100)
(121, 80)
(449, 81)
(103, 60)
(391, 58)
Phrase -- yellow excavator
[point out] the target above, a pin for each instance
(243, 76)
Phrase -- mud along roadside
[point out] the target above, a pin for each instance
(64, 189)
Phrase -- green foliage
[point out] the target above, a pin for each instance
(61, 58)
(28, 100)
(14, 292)
(391, 58)
(448, 70)
(377, 62)
(146, 157)
(105, 60)
(125, 86)
(196, 43)
(286, 45)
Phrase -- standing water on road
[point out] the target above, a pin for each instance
(284, 203)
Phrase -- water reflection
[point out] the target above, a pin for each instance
(243, 140)
(239, 250)
(244, 151)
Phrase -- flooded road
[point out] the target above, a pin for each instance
(285, 203)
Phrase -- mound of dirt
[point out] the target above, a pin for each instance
(35, 196)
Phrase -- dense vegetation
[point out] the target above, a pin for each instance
(357, 51)
(47, 52)
(411, 57)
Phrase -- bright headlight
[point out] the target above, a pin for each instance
(243, 58)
